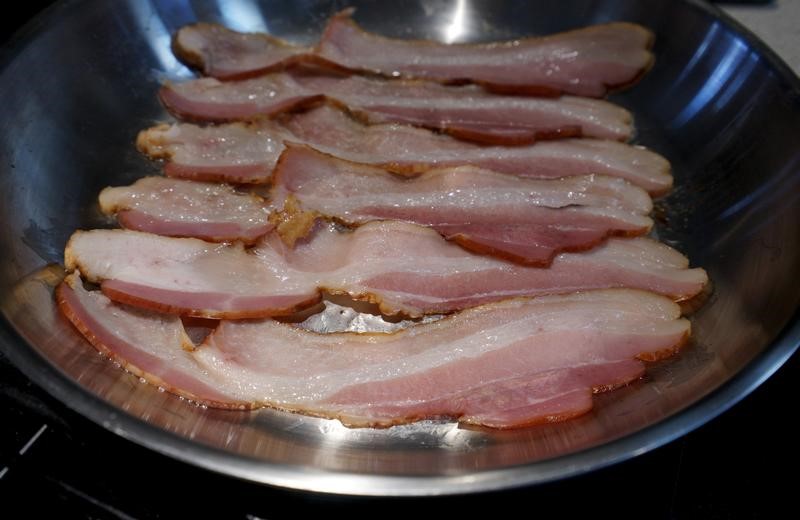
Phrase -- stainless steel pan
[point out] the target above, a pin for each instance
(80, 81)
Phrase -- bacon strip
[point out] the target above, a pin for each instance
(466, 112)
(147, 344)
(184, 275)
(584, 62)
(242, 153)
(524, 220)
(174, 207)
(220, 52)
(504, 365)
(247, 152)
(404, 268)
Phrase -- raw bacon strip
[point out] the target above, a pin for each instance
(242, 153)
(403, 267)
(584, 62)
(406, 149)
(179, 208)
(467, 112)
(504, 365)
(524, 220)
(417, 272)
(247, 152)
(150, 345)
(222, 53)
(184, 275)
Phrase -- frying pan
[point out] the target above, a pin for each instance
(80, 81)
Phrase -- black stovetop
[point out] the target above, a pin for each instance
(53, 461)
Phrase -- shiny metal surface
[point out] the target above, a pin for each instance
(80, 81)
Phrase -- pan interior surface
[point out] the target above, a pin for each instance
(81, 81)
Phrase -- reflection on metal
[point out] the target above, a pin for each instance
(727, 69)
(745, 66)
(766, 194)
(242, 15)
(33, 439)
(457, 26)
(159, 38)
(713, 33)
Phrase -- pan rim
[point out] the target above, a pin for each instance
(105, 414)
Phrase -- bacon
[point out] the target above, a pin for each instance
(237, 153)
(584, 62)
(247, 152)
(184, 275)
(147, 344)
(504, 365)
(174, 207)
(466, 112)
(524, 220)
(222, 53)
(403, 267)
